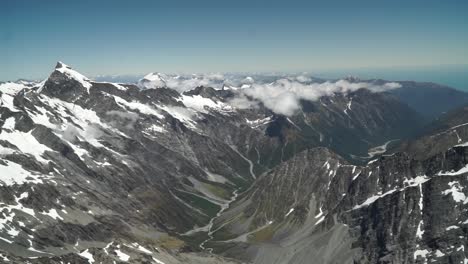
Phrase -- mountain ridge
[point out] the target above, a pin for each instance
(112, 172)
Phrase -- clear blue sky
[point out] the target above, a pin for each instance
(134, 37)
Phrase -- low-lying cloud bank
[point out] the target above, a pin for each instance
(283, 96)
(126, 119)
(281, 93)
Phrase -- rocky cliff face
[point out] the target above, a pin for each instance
(95, 172)
(396, 209)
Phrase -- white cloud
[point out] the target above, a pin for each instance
(128, 119)
(242, 102)
(283, 96)
(280, 93)
(303, 79)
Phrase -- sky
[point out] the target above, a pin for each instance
(135, 37)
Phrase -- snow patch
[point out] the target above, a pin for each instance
(457, 192)
(421, 253)
(418, 180)
(9, 91)
(374, 198)
(120, 87)
(453, 173)
(320, 220)
(184, 115)
(258, 122)
(142, 108)
(13, 173)
(452, 228)
(53, 213)
(9, 123)
(122, 256)
(157, 261)
(87, 255)
(289, 212)
(199, 103)
(25, 142)
(320, 213)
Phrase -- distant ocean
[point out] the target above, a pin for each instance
(453, 76)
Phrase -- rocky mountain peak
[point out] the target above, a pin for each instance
(60, 65)
(71, 73)
(153, 80)
(66, 83)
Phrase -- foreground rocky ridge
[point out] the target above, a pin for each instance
(394, 210)
(109, 172)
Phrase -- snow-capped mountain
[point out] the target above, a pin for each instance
(153, 80)
(204, 169)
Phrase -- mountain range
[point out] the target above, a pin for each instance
(216, 168)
